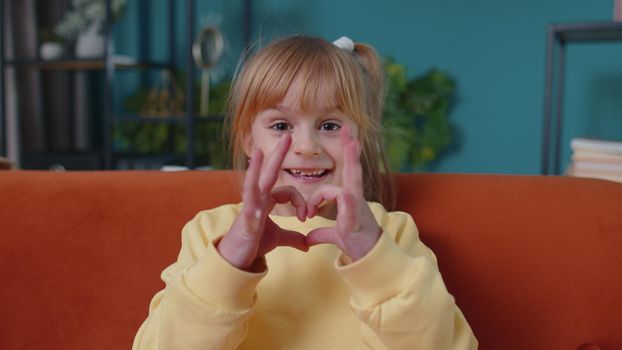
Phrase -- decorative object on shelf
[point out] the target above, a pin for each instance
(52, 46)
(416, 117)
(164, 100)
(82, 23)
(617, 10)
(90, 43)
(207, 50)
(49, 51)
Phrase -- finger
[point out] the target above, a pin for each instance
(322, 235)
(250, 190)
(273, 164)
(345, 134)
(352, 176)
(251, 196)
(292, 239)
(252, 175)
(252, 220)
(348, 210)
(289, 194)
(323, 193)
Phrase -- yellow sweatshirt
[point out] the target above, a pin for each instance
(393, 298)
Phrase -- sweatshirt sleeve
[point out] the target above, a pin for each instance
(399, 295)
(206, 302)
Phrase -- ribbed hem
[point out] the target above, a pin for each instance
(219, 283)
(375, 277)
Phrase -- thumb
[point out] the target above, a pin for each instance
(322, 235)
(292, 239)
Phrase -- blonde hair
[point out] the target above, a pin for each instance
(354, 80)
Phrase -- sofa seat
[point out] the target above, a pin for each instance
(534, 262)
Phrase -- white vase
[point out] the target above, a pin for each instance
(90, 43)
(51, 50)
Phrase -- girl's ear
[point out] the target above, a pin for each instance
(248, 144)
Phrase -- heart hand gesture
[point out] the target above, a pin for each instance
(356, 231)
(253, 234)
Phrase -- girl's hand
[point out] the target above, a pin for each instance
(356, 231)
(253, 234)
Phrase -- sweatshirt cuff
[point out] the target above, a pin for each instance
(377, 276)
(214, 280)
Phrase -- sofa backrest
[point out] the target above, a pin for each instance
(533, 261)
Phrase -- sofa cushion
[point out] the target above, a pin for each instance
(533, 261)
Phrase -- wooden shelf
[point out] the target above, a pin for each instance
(69, 160)
(145, 161)
(170, 119)
(84, 64)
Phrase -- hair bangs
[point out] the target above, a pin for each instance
(325, 80)
(316, 77)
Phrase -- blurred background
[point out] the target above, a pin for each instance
(114, 84)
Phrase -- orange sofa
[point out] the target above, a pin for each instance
(534, 262)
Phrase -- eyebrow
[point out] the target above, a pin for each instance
(285, 109)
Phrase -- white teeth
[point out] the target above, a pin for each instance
(299, 172)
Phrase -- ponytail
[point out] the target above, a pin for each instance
(373, 72)
(374, 159)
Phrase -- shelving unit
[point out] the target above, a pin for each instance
(99, 155)
(110, 158)
(558, 37)
(104, 155)
(3, 124)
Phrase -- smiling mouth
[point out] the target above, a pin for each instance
(308, 173)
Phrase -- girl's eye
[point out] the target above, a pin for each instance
(330, 126)
(281, 126)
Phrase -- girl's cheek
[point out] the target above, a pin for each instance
(335, 142)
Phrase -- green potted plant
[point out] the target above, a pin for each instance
(416, 117)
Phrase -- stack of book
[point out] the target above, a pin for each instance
(596, 159)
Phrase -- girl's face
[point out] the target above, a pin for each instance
(315, 156)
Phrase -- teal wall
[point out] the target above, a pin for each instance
(495, 49)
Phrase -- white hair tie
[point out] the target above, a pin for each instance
(344, 43)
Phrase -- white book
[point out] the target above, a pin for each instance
(598, 166)
(602, 146)
(590, 156)
(594, 175)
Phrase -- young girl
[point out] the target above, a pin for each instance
(305, 122)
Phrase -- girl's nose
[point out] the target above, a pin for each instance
(306, 144)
